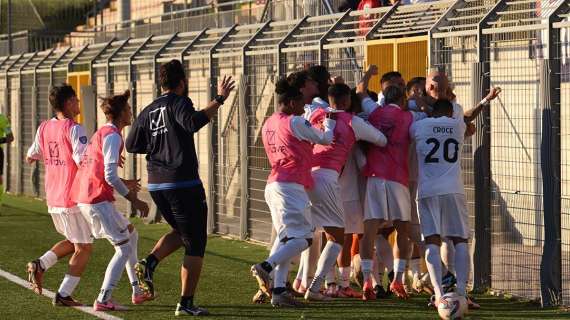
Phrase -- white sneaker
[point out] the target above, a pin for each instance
(316, 296)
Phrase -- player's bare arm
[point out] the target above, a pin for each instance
(224, 89)
(473, 113)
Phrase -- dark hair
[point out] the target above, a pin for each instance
(320, 74)
(373, 95)
(355, 102)
(298, 79)
(170, 74)
(442, 106)
(390, 76)
(415, 81)
(113, 106)
(393, 94)
(59, 94)
(286, 92)
(338, 90)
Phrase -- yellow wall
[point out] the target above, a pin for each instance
(409, 56)
(76, 80)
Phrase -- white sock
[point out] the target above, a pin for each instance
(281, 274)
(462, 264)
(448, 255)
(399, 268)
(330, 278)
(68, 285)
(415, 267)
(286, 251)
(366, 265)
(344, 281)
(132, 261)
(384, 252)
(325, 264)
(48, 260)
(433, 261)
(114, 271)
(311, 258)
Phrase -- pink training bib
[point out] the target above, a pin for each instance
(391, 161)
(334, 156)
(60, 169)
(90, 186)
(290, 157)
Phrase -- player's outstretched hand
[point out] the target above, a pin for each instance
(372, 70)
(470, 129)
(141, 207)
(362, 86)
(133, 185)
(337, 80)
(226, 86)
(493, 93)
(122, 161)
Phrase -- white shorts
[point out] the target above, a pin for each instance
(326, 204)
(386, 200)
(444, 215)
(106, 222)
(353, 216)
(70, 223)
(290, 210)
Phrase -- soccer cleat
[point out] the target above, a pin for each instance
(61, 301)
(109, 305)
(190, 311)
(262, 278)
(294, 292)
(331, 290)
(471, 304)
(316, 296)
(348, 292)
(422, 285)
(431, 302)
(35, 275)
(398, 289)
(448, 282)
(368, 292)
(141, 298)
(145, 275)
(380, 292)
(286, 300)
(260, 297)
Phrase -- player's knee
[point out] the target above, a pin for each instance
(83, 248)
(195, 246)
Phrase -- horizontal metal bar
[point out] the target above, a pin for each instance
(561, 24)
(533, 27)
(464, 33)
(353, 44)
(261, 52)
(301, 49)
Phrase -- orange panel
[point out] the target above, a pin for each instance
(381, 55)
(412, 59)
(76, 81)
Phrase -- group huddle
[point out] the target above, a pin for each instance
(352, 168)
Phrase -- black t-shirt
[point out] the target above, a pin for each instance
(164, 131)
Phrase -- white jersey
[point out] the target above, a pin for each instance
(439, 144)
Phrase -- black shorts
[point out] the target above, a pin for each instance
(186, 211)
(1, 162)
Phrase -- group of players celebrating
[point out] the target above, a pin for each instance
(346, 166)
(350, 168)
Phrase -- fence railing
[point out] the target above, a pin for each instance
(516, 168)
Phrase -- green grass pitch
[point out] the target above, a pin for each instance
(226, 286)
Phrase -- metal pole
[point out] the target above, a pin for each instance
(9, 26)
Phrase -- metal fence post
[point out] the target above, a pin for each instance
(480, 77)
(550, 154)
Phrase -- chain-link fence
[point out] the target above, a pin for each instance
(519, 209)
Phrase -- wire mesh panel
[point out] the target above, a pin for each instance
(28, 132)
(261, 72)
(13, 161)
(516, 121)
(227, 61)
(563, 57)
(143, 76)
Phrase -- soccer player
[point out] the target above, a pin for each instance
(164, 131)
(441, 196)
(6, 137)
(60, 142)
(93, 189)
(327, 209)
(387, 195)
(288, 140)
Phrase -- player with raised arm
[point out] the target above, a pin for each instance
(288, 140)
(6, 137)
(60, 142)
(387, 195)
(164, 131)
(327, 208)
(93, 189)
